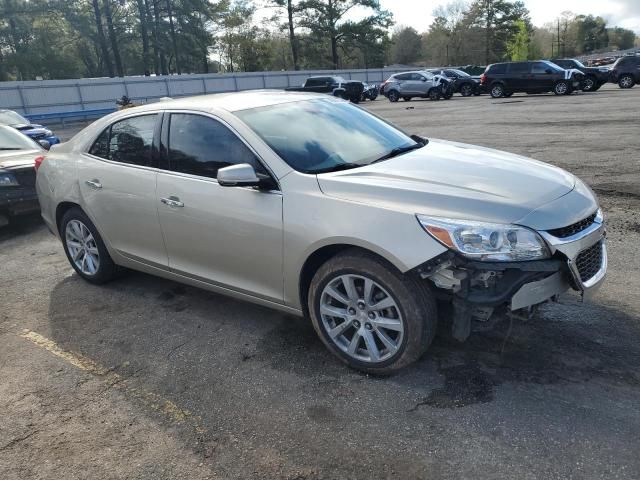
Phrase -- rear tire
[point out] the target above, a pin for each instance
(406, 99)
(393, 96)
(375, 340)
(626, 81)
(85, 249)
(466, 90)
(497, 90)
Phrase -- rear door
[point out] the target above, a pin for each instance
(518, 77)
(117, 178)
(227, 236)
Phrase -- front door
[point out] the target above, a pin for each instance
(542, 76)
(228, 236)
(117, 178)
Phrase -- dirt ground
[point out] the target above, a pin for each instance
(148, 379)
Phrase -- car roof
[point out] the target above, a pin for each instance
(232, 101)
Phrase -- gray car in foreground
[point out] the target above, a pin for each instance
(314, 206)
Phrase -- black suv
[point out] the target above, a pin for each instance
(463, 83)
(504, 79)
(594, 77)
(626, 71)
(336, 86)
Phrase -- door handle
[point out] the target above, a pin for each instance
(95, 183)
(172, 201)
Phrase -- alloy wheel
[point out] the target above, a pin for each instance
(560, 88)
(626, 81)
(497, 91)
(361, 318)
(466, 90)
(82, 247)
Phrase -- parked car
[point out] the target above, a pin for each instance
(463, 83)
(505, 79)
(370, 91)
(594, 77)
(626, 71)
(33, 130)
(367, 231)
(333, 85)
(18, 155)
(423, 84)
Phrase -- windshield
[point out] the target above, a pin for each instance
(579, 63)
(9, 117)
(461, 73)
(321, 135)
(11, 139)
(553, 66)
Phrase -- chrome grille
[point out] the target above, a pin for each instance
(589, 261)
(574, 228)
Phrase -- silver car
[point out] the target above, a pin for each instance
(408, 85)
(313, 206)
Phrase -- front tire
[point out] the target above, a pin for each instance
(626, 81)
(561, 88)
(85, 249)
(393, 96)
(369, 315)
(434, 94)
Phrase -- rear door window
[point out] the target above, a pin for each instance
(403, 76)
(128, 141)
(519, 67)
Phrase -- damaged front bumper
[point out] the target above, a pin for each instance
(578, 261)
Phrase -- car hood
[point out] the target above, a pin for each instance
(458, 181)
(31, 129)
(13, 159)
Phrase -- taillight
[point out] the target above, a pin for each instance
(38, 161)
(483, 78)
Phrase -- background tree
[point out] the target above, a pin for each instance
(327, 19)
(407, 45)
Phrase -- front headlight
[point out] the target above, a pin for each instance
(8, 180)
(489, 242)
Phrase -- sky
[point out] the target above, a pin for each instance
(621, 13)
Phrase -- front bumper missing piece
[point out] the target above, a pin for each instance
(523, 285)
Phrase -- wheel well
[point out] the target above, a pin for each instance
(317, 259)
(62, 208)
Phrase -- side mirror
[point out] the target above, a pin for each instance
(423, 79)
(44, 144)
(548, 70)
(419, 139)
(241, 175)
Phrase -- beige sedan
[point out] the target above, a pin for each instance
(313, 206)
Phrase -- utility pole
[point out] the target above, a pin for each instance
(558, 37)
(447, 55)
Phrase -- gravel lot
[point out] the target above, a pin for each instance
(146, 378)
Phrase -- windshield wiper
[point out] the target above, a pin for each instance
(337, 168)
(398, 151)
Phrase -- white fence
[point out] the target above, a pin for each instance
(49, 96)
